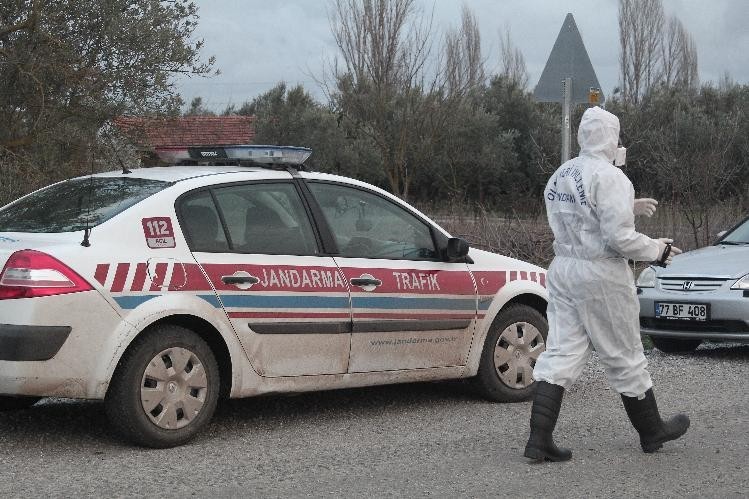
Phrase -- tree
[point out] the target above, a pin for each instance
(689, 148)
(679, 57)
(282, 116)
(68, 66)
(291, 116)
(198, 109)
(692, 158)
(512, 66)
(640, 26)
(654, 50)
(463, 67)
(385, 88)
(379, 88)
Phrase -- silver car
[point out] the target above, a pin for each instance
(702, 295)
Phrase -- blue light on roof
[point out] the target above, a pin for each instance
(269, 154)
(281, 155)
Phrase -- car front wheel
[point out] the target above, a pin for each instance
(673, 345)
(515, 340)
(165, 388)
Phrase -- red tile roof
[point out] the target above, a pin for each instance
(186, 131)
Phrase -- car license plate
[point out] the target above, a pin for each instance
(683, 311)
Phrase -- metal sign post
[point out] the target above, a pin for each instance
(566, 120)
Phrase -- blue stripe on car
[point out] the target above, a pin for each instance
(211, 299)
(332, 302)
(129, 302)
(290, 301)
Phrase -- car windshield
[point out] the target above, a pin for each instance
(76, 204)
(740, 235)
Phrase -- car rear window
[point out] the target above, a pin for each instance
(76, 204)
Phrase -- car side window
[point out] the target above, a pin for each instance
(266, 218)
(366, 225)
(199, 220)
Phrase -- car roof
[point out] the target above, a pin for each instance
(178, 173)
(189, 172)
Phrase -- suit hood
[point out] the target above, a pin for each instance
(598, 134)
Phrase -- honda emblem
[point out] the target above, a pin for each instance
(687, 286)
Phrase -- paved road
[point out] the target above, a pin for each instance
(421, 440)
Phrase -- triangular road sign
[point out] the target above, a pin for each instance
(568, 59)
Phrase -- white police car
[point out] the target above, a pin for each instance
(162, 289)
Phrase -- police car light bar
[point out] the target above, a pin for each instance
(281, 155)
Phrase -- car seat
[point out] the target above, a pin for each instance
(203, 228)
(265, 232)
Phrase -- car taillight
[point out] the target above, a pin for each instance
(29, 273)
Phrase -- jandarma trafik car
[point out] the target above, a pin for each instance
(162, 289)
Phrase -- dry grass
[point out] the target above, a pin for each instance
(529, 238)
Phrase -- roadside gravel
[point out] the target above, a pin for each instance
(419, 440)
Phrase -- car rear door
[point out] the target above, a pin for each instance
(288, 303)
(410, 309)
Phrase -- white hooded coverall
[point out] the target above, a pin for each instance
(592, 297)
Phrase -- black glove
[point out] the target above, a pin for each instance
(661, 262)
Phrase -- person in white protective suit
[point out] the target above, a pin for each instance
(592, 298)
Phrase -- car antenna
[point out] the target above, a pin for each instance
(87, 231)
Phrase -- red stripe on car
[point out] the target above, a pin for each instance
(415, 281)
(401, 315)
(102, 270)
(489, 282)
(120, 275)
(195, 281)
(289, 315)
(140, 277)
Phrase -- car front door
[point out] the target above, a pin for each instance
(287, 303)
(410, 309)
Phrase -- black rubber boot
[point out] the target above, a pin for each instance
(546, 404)
(654, 432)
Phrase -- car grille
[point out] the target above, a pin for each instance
(705, 326)
(688, 285)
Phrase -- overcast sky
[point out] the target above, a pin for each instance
(258, 43)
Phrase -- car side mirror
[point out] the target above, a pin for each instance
(456, 249)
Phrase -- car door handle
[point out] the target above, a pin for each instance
(366, 281)
(239, 279)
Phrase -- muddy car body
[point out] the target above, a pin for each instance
(161, 289)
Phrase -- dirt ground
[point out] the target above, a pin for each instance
(417, 440)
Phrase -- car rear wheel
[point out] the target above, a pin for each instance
(673, 345)
(165, 388)
(515, 340)
(8, 403)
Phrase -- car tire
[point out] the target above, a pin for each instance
(165, 388)
(515, 339)
(10, 403)
(674, 345)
